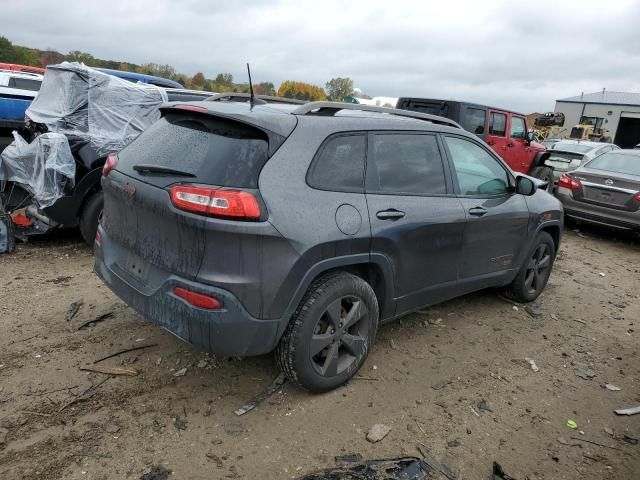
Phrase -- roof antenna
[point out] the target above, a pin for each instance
(252, 98)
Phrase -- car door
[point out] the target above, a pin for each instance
(517, 150)
(417, 222)
(496, 217)
(497, 132)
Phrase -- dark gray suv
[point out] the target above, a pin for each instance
(246, 228)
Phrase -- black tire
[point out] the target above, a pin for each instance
(318, 352)
(545, 174)
(531, 279)
(89, 217)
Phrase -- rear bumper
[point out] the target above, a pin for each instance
(231, 331)
(597, 214)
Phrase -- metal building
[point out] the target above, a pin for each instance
(617, 112)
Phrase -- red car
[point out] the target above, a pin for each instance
(504, 131)
(21, 68)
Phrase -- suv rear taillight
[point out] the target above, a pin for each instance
(636, 197)
(571, 183)
(109, 164)
(215, 202)
(199, 300)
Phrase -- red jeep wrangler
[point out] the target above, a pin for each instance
(504, 131)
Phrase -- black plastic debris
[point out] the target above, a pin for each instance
(498, 473)
(157, 472)
(408, 468)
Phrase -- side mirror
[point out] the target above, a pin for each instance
(530, 137)
(525, 186)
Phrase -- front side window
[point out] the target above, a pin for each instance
(518, 129)
(25, 84)
(478, 172)
(498, 126)
(407, 164)
(474, 120)
(340, 164)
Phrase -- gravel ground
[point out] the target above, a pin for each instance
(426, 379)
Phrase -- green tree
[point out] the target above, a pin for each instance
(264, 88)
(225, 79)
(301, 91)
(82, 57)
(338, 88)
(198, 81)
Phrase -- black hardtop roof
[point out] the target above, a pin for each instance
(459, 102)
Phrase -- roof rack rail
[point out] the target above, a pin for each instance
(260, 99)
(330, 108)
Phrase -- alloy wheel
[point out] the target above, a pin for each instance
(537, 269)
(340, 336)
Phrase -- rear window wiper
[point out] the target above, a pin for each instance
(156, 169)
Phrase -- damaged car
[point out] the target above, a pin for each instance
(50, 174)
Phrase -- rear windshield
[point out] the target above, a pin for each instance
(432, 108)
(216, 151)
(572, 147)
(617, 162)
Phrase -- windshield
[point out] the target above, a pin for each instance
(617, 162)
(572, 147)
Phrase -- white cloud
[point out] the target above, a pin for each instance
(511, 54)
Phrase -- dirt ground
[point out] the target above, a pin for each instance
(425, 378)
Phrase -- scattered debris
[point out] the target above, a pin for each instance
(408, 468)
(579, 321)
(602, 274)
(111, 428)
(277, 383)
(594, 443)
(515, 308)
(73, 310)
(125, 351)
(130, 372)
(181, 373)
(628, 411)
(554, 317)
(532, 364)
(437, 466)
(84, 396)
(630, 440)
(585, 374)
(157, 472)
(441, 384)
(349, 458)
(474, 411)
(378, 432)
(498, 473)
(483, 405)
(453, 443)
(534, 311)
(180, 423)
(608, 431)
(612, 387)
(233, 427)
(572, 424)
(100, 318)
(202, 364)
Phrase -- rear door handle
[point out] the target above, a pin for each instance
(391, 214)
(477, 211)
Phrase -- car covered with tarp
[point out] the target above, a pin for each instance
(50, 174)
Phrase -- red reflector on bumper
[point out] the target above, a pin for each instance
(198, 299)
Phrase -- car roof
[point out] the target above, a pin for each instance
(583, 142)
(158, 81)
(282, 118)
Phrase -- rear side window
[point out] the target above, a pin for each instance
(215, 151)
(406, 163)
(25, 84)
(498, 125)
(474, 120)
(339, 165)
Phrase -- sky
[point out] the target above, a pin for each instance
(510, 54)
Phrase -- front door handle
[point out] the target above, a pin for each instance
(391, 214)
(477, 211)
